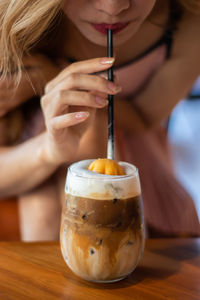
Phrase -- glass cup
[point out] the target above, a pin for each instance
(102, 228)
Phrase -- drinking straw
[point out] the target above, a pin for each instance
(110, 146)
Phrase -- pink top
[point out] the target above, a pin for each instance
(133, 76)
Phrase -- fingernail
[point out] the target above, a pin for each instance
(107, 60)
(103, 75)
(101, 101)
(114, 88)
(81, 115)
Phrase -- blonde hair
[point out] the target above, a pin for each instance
(22, 24)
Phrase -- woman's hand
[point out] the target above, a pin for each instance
(70, 99)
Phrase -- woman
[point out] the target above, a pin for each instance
(56, 50)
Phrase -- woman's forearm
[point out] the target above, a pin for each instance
(23, 167)
(154, 104)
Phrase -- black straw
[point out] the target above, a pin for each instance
(110, 149)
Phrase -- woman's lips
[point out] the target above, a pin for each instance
(103, 27)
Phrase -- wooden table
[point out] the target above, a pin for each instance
(170, 269)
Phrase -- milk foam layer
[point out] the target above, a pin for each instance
(82, 182)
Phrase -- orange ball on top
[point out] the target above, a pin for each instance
(106, 166)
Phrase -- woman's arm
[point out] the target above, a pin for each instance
(68, 100)
(169, 84)
(23, 167)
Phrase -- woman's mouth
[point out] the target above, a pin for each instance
(103, 27)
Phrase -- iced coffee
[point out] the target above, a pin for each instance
(102, 232)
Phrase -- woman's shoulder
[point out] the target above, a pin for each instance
(20, 104)
(21, 123)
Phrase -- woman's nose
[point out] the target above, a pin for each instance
(112, 7)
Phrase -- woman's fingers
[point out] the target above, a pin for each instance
(67, 120)
(86, 66)
(88, 83)
(54, 104)
(100, 94)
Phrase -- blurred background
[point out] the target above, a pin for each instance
(184, 136)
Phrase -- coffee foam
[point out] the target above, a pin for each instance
(82, 182)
